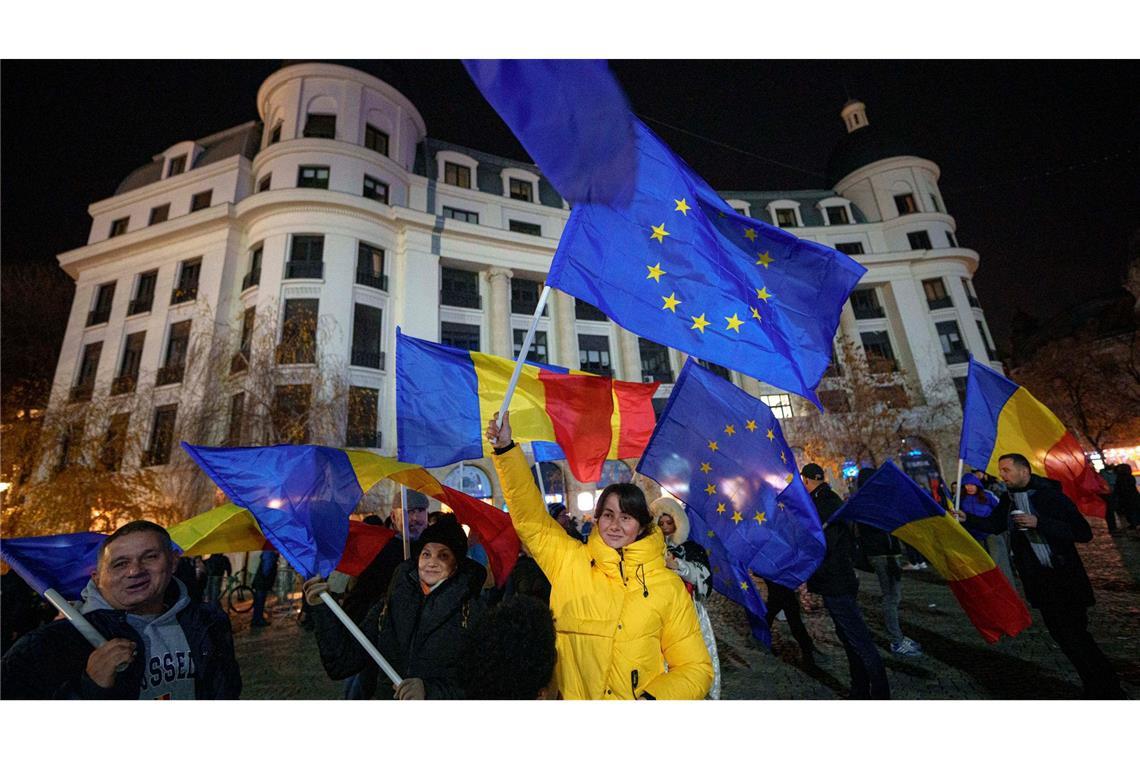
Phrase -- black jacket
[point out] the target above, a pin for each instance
(835, 576)
(1063, 527)
(51, 662)
(877, 542)
(419, 635)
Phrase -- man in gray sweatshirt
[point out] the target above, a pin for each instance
(160, 643)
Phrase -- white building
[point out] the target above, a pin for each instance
(337, 205)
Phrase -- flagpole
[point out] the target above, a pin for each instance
(94, 638)
(541, 487)
(358, 634)
(404, 516)
(958, 485)
(521, 358)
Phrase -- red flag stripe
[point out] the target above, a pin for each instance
(991, 604)
(635, 405)
(1066, 462)
(580, 408)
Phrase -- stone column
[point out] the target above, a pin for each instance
(499, 311)
(630, 366)
(565, 348)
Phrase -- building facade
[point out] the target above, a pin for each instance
(315, 230)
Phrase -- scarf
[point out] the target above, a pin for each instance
(1039, 545)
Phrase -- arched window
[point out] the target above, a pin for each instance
(474, 482)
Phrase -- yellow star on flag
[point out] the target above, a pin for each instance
(764, 259)
(711, 534)
(713, 446)
(756, 314)
(720, 508)
(710, 489)
(789, 478)
(670, 302)
(700, 323)
(705, 467)
(655, 272)
(734, 323)
(780, 504)
(763, 294)
(783, 457)
(682, 206)
(760, 517)
(771, 434)
(750, 233)
(743, 586)
(659, 233)
(736, 518)
(751, 425)
(730, 429)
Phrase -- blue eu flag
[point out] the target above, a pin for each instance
(721, 452)
(677, 265)
(730, 578)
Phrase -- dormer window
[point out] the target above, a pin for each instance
(177, 166)
(454, 174)
(321, 125)
(785, 213)
(522, 190)
(786, 217)
(119, 226)
(741, 208)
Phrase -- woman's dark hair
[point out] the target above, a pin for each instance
(631, 501)
(509, 652)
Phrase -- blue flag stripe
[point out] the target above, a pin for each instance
(987, 392)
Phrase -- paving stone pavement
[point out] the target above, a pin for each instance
(281, 661)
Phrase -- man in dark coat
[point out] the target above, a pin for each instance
(161, 644)
(1044, 528)
(835, 581)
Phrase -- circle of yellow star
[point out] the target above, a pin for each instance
(743, 586)
(751, 425)
(700, 323)
(710, 489)
(659, 233)
(750, 233)
(764, 259)
(730, 429)
(655, 272)
(705, 467)
(760, 517)
(736, 518)
(783, 457)
(756, 314)
(789, 478)
(763, 294)
(720, 508)
(670, 302)
(713, 446)
(771, 434)
(682, 206)
(734, 323)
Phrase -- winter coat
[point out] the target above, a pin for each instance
(419, 634)
(51, 662)
(979, 505)
(835, 575)
(1062, 527)
(621, 616)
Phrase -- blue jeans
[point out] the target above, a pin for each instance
(868, 676)
(890, 583)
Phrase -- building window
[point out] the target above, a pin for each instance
(321, 125)
(370, 267)
(201, 200)
(460, 215)
(865, 303)
(119, 226)
(851, 249)
(986, 342)
(779, 403)
(524, 296)
(241, 359)
(88, 367)
(375, 189)
(290, 413)
(951, 339)
(177, 346)
(306, 257)
(159, 214)
(655, 366)
(177, 166)
(115, 442)
(299, 332)
(129, 367)
(951, 240)
(363, 419)
(594, 354)
(187, 288)
(237, 419)
(880, 355)
(905, 204)
(253, 276)
(367, 330)
(971, 294)
(721, 372)
(936, 295)
(456, 335)
(144, 293)
(264, 183)
(919, 241)
(587, 311)
(71, 446)
(474, 482)
(960, 388)
(786, 217)
(275, 135)
(101, 312)
(834, 401)
(460, 287)
(538, 349)
(522, 190)
(455, 174)
(162, 435)
(313, 176)
(375, 139)
(934, 204)
(837, 215)
(525, 228)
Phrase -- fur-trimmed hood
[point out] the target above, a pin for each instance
(670, 506)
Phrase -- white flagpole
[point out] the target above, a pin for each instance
(359, 634)
(958, 487)
(404, 515)
(94, 638)
(541, 487)
(521, 358)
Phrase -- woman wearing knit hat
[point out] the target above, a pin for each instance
(626, 627)
(689, 560)
(420, 627)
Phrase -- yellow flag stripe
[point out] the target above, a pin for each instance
(227, 528)
(529, 420)
(946, 544)
(1025, 426)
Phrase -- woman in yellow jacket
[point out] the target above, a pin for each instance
(626, 627)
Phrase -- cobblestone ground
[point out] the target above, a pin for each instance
(281, 661)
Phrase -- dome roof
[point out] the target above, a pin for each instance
(864, 146)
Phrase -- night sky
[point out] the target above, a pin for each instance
(1039, 159)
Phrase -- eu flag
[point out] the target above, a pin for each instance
(721, 452)
(63, 563)
(730, 578)
(679, 266)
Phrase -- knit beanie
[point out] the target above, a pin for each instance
(448, 532)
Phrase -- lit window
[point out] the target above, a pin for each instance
(522, 190)
(313, 176)
(455, 174)
(375, 189)
(936, 295)
(905, 204)
(786, 217)
(780, 404)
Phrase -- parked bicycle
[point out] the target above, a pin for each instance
(237, 594)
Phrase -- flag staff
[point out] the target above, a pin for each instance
(958, 486)
(404, 518)
(94, 638)
(524, 350)
(358, 634)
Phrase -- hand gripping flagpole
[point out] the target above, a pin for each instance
(94, 638)
(358, 634)
(521, 359)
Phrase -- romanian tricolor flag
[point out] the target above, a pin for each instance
(444, 397)
(1001, 417)
(892, 502)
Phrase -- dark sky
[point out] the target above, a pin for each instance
(1039, 159)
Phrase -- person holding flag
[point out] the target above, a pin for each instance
(626, 626)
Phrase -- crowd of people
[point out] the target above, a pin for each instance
(617, 614)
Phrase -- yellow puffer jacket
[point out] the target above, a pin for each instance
(620, 616)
